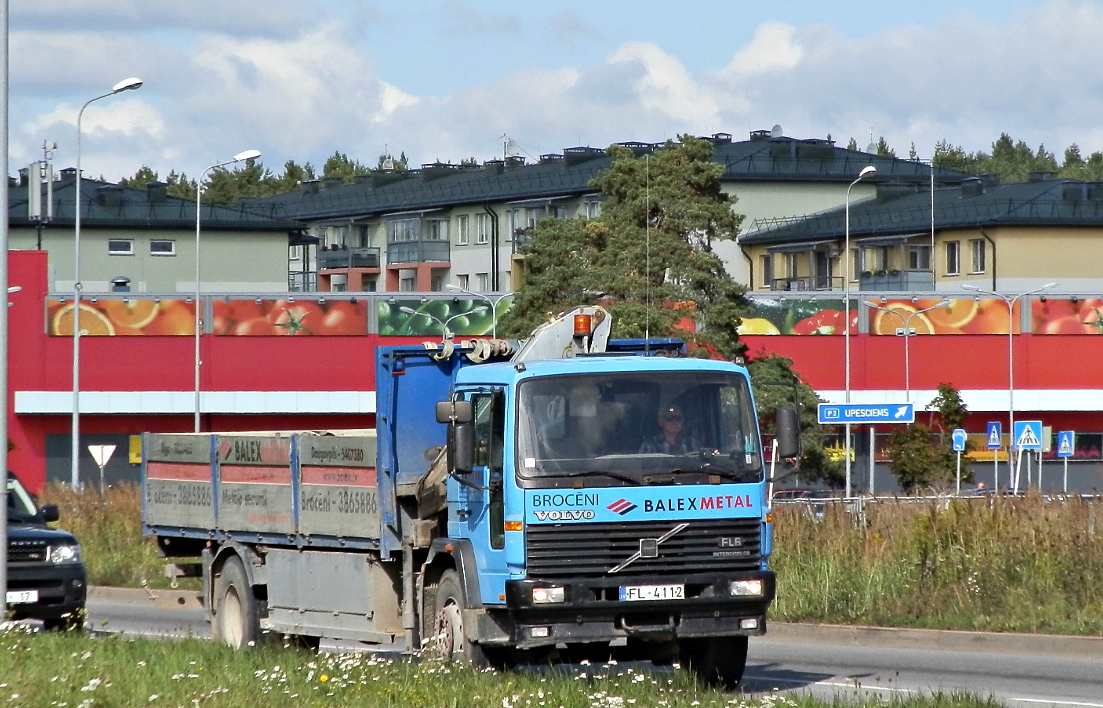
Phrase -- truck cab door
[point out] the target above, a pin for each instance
(478, 508)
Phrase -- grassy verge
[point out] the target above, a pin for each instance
(998, 564)
(80, 671)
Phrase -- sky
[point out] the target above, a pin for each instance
(448, 80)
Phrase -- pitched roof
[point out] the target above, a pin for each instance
(105, 205)
(762, 158)
(976, 202)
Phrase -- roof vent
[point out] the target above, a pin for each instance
(158, 192)
(328, 182)
(757, 135)
(887, 191)
(638, 148)
(436, 170)
(972, 187)
(551, 158)
(577, 155)
(109, 195)
(494, 167)
(815, 149)
(310, 186)
(1072, 191)
(515, 161)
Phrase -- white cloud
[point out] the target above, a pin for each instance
(774, 47)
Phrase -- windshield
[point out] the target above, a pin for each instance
(641, 428)
(21, 506)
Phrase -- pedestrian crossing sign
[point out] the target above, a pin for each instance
(1065, 443)
(995, 436)
(1028, 434)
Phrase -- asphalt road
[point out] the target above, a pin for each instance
(1035, 671)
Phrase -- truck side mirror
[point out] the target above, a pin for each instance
(454, 412)
(463, 447)
(787, 423)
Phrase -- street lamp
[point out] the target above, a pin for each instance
(241, 156)
(867, 171)
(131, 84)
(443, 323)
(907, 333)
(493, 305)
(1010, 362)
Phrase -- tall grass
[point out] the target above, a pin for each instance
(996, 564)
(109, 529)
(65, 670)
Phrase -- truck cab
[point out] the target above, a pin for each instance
(46, 577)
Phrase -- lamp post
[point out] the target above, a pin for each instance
(443, 323)
(1010, 300)
(493, 305)
(867, 171)
(241, 156)
(907, 334)
(131, 84)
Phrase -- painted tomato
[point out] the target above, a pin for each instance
(342, 318)
(256, 327)
(823, 322)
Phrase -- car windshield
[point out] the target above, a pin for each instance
(642, 428)
(21, 506)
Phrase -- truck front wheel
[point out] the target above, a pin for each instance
(235, 619)
(444, 631)
(718, 661)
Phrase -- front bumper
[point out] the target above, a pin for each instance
(592, 611)
(62, 590)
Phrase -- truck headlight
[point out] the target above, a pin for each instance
(746, 588)
(68, 553)
(545, 596)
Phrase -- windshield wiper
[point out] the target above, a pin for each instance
(605, 473)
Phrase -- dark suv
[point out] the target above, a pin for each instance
(46, 578)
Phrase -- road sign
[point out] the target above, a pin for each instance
(1028, 434)
(1066, 442)
(834, 414)
(995, 436)
(959, 437)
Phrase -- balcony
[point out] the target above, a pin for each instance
(418, 252)
(348, 258)
(896, 280)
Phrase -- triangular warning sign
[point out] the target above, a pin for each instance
(994, 439)
(1027, 439)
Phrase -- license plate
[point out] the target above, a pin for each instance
(22, 597)
(632, 593)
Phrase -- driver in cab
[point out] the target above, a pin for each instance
(672, 439)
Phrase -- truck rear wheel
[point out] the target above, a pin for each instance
(717, 661)
(235, 620)
(444, 630)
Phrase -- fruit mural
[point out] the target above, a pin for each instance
(925, 316)
(121, 318)
(291, 317)
(431, 318)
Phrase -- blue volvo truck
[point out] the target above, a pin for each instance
(508, 506)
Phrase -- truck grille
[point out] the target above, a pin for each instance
(572, 550)
(26, 551)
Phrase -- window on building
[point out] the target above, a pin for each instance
(120, 247)
(976, 248)
(919, 256)
(401, 230)
(857, 263)
(407, 284)
(463, 230)
(463, 281)
(162, 247)
(295, 253)
(363, 235)
(515, 217)
(768, 271)
(791, 265)
(482, 282)
(593, 209)
(953, 257)
(482, 228)
(435, 230)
